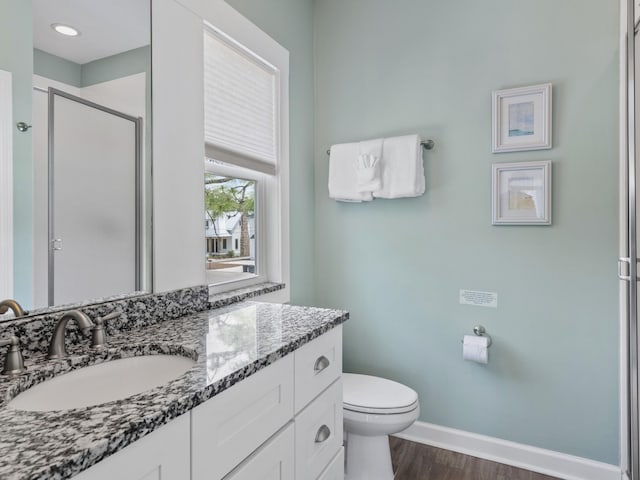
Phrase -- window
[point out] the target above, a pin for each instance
(240, 114)
(246, 156)
(230, 205)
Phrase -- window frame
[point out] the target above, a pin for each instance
(272, 191)
(261, 251)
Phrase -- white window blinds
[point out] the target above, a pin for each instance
(239, 105)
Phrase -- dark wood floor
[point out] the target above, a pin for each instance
(414, 461)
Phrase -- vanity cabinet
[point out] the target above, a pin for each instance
(164, 454)
(296, 401)
(318, 404)
(230, 426)
(282, 423)
(319, 433)
(274, 461)
(335, 470)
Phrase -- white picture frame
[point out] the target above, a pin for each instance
(521, 119)
(521, 193)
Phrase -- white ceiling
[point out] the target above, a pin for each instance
(107, 27)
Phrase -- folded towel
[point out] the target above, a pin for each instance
(343, 179)
(368, 165)
(368, 173)
(401, 168)
(372, 147)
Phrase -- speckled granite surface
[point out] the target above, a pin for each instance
(60, 308)
(140, 311)
(229, 344)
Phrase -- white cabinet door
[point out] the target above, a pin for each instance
(319, 433)
(228, 427)
(335, 470)
(273, 461)
(318, 365)
(161, 455)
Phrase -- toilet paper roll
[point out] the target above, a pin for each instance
(475, 349)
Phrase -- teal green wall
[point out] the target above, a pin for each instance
(102, 70)
(121, 65)
(290, 23)
(16, 56)
(57, 68)
(385, 68)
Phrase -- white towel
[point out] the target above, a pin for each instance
(343, 179)
(368, 165)
(401, 168)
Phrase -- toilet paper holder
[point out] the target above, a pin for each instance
(480, 331)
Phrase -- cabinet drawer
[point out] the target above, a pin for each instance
(231, 425)
(319, 433)
(335, 470)
(164, 453)
(274, 461)
(318, 364)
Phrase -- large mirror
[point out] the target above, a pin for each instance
(80, 150)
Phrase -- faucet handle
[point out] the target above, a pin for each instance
(98, 334)
(12, 304)
(14, 363)
(111, 316)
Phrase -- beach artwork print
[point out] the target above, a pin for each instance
(522, 196)
(521, 193)
(521, 119)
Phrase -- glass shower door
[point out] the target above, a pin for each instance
(94, 209)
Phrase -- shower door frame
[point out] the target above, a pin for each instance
(6, 185)
(628, 261)
(137, 122)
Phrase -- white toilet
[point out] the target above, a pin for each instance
(374, 408)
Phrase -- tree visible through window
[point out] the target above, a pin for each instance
(230, 235)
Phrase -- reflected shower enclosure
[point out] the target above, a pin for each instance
(88, 173)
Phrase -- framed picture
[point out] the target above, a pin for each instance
(522, 119)
(521, 193)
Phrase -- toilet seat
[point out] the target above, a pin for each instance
(377, 396)
(380, 411)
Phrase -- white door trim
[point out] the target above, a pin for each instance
(6, 185)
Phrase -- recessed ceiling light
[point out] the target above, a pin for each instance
(65, 29)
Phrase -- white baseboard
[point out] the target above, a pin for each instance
(539, 460)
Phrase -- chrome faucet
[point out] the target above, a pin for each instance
(98, 335)
(56, 347)
(10, 303)
(13, 363)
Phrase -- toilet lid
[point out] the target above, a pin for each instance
(369, 394)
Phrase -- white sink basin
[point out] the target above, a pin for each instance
(102, 383)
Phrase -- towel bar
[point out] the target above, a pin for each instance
(426, 144)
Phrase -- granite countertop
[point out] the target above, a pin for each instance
(229, 345)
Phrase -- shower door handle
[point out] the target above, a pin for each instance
(56, 244)
(626, 261)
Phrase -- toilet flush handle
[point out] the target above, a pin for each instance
(321, 363)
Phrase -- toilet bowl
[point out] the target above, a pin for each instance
(373, 409)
